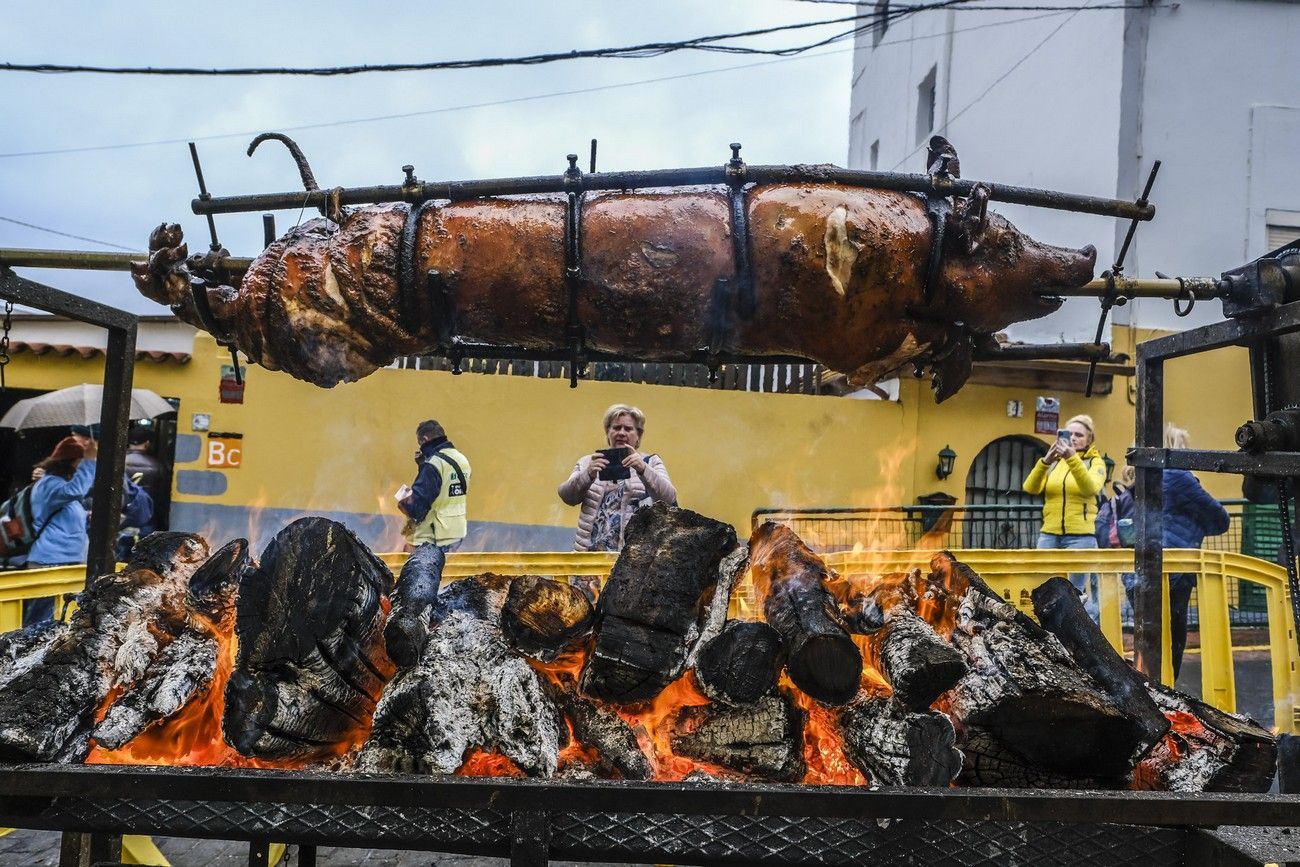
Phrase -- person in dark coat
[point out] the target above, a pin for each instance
(1190, 514)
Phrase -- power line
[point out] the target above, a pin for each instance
(649, 49)
(67, 234)
(521, 99)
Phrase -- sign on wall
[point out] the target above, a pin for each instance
(225, 450)
(1047, 415)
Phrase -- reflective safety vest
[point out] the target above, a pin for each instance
(446, 522)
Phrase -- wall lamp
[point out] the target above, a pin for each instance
(1110, 467)
(947, 457)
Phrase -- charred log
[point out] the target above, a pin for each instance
(730, 570)
(650, 611)
(602, 730)
(124, 618)
(988, 763)
(180, 672)
(212, 588)
(742, 664)
(1059, 610)
(542, 616)
(764, 739)
(311, 661)
(25, 648)
(469, 691)
(896, 746)
(413, 599)
(822, 659)
(1031, 696)
(1207, 750)
(919, 665)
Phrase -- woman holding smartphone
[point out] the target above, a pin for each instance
(1069, 478)
(610, 484)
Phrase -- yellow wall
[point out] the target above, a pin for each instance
(347, 449)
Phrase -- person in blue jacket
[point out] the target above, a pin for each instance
(58, 517)
(1190, 514)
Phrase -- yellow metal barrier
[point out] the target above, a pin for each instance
(1014, 574)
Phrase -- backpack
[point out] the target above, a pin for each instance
(17, 527)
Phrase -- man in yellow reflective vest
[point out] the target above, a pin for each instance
(434, 504)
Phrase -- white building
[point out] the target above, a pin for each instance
(1085, 100)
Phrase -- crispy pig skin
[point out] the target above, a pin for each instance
(838, 277)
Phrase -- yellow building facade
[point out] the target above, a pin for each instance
(343, 452)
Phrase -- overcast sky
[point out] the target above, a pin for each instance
(104, 156)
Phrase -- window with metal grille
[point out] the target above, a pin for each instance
(995, 478)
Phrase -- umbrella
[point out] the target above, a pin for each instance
(79, 404)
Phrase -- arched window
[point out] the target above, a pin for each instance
(995, 478)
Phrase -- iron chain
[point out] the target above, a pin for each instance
(4, 340)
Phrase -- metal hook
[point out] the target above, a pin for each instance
(304, 170)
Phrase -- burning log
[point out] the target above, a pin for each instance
(764, 739)
(741, 664)
(649, 613)
(730, 570)
(468, 691)
(1028, 693)
(1207, 750)
(897, 746)
(311, 661)
(184, 667)
(212, 588)
(23, 649)
(822, 659)
(413, 599)
(919, 665)
(1059, 610)
(542, 616)
(603, 730)
(124, 619)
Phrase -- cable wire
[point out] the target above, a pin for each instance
(67, 234)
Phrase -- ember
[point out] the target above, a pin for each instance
(296, 660)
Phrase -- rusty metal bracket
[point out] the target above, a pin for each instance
(408, 299)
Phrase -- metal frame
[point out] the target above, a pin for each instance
(115, 417)
(1151, 458)
(531, 821)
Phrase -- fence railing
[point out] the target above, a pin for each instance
(786, 378)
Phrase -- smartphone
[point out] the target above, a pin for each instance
(1063, 437)
(615, 471)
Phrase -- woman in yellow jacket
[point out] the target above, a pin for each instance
(1069, 478)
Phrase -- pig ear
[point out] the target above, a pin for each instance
(975, 217)
(941, 158)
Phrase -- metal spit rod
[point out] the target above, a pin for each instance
(87, 260)
(705, 175)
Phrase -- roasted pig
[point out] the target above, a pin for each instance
(839, 276)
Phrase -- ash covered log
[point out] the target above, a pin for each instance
(1028, 693)
(184, 667)
(413, 599)
(1056, 602)
(469, 691)
(311, 661)
(896, 746)
(764, 739)
(25, 648)
(730, 570)
(822, 659)
(602, 730)
(919, 665)
(741, 664)
(542, 616)
(649, 614)
(122, 622)
(1207, 750)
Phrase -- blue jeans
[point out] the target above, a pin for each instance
(1084, 582)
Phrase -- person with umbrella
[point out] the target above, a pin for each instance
(58, 517)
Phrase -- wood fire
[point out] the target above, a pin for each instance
(314, 656)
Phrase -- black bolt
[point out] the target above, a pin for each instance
(735, 150)
(410, 175)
